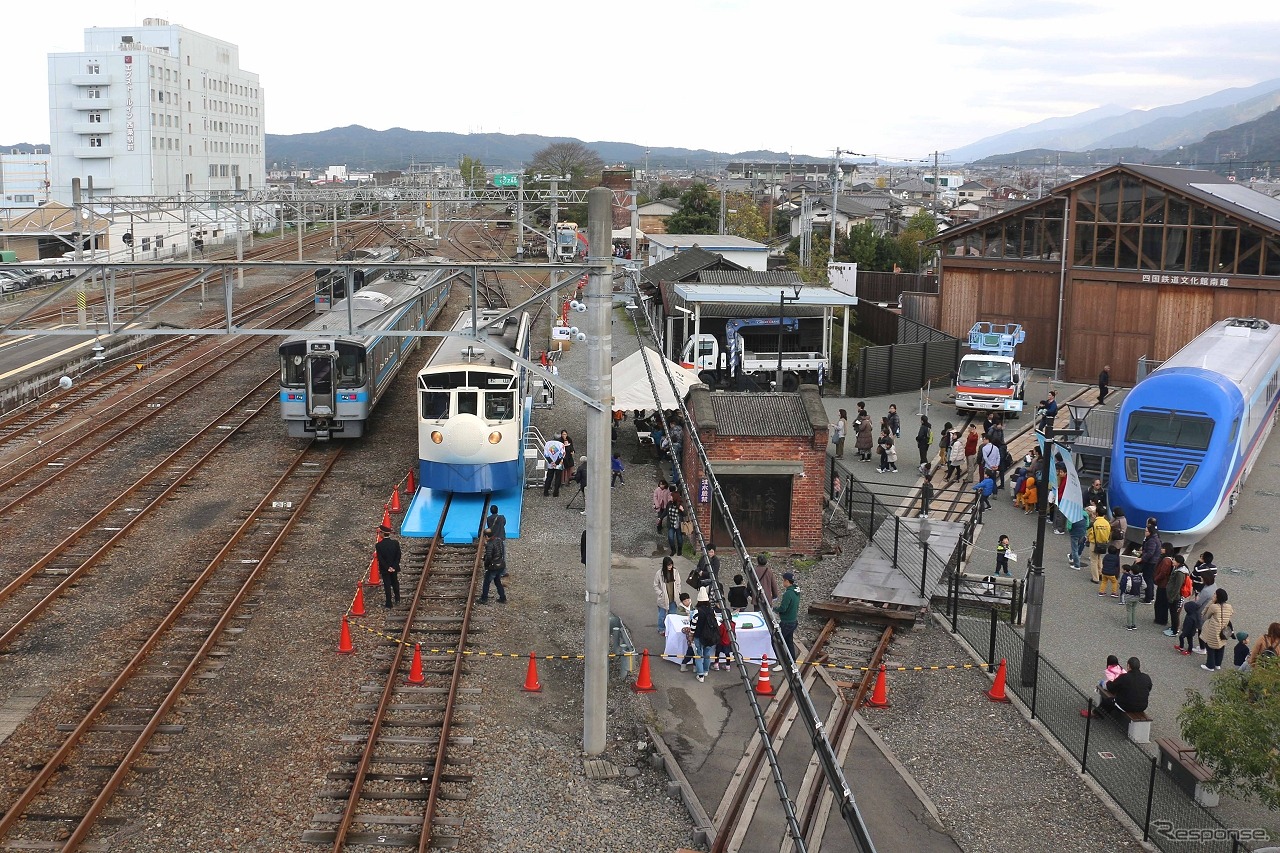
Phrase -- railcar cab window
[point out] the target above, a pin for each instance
(435, 405)
(293, 364)
(468, 402)
(350, 366)
(498, 405)
(1169, 429)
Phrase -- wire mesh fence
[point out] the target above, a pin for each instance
(1169, 815)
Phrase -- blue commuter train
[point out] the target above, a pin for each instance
(471, 408)
(1188, 435)
(331, 282)
(330, 381)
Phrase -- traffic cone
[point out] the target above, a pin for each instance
(415, 669)
(879, 696)
(374, 578)
(531, 683)
(644, 683)
(395, 500)
(411, 485)
(386, 516)
(344, 642)
(357, 606)
(996, 693)
(763, 686)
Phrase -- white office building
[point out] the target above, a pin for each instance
(154, 110)
(25, 180)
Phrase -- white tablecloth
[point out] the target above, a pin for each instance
(753, 637)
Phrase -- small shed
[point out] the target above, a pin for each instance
(768, 451)
(739, 250)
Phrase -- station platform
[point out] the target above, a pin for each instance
(423, 515)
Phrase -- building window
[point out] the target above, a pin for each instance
(95, 118)
(222, 170)
(24, 199)
(95, 141)
(95, 68)
(93, 92)
(213, 171)
(235, 170)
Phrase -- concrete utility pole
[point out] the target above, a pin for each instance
(82, 314)
(520, 217)
(599, 299)
(835, 202)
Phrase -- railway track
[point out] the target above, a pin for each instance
(71, 787)
(401, 752)
(745, 810)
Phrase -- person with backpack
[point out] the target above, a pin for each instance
(704, 630)
(924, 439)
(1177, 590)
(1268, 645)
(1132, 585)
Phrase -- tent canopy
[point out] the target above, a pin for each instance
(625, 234)
(631, 388)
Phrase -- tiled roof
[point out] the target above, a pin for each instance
(756, 413)
(684, 265)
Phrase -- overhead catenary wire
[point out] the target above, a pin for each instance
(817, 734)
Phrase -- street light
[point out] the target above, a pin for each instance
(783, 299)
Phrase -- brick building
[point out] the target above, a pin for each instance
(768, 451)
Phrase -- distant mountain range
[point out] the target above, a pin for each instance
(361, 147)
(1111, 127)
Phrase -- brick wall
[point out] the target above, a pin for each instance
(806, 491)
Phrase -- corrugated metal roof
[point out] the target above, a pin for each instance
(760, 294)
(776, 277)
(758, 413)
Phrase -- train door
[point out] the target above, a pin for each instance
(320, 381)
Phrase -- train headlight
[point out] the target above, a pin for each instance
(1188, 471)
(1131, 469)
(495, 437)
(437, 436)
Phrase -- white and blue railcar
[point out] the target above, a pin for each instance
(472, 407)
(331, 381)
(1188, 435)
(331, 282)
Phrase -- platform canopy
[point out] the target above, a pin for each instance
(631, 388)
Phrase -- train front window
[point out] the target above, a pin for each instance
(435, 405)
(468, 404)
(350, 366)
(1169, 429)
(293, 364)
(498, 406)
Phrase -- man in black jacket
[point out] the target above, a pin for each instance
(494, 564)
(388, 552)
(1130, 691)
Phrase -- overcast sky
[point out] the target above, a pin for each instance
(891, 79)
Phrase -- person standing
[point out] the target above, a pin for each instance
(1215, 628)
(1099, 538)
(1164, 570)
(553, 455)
(739, 595)
(956, 461)
(1110, 572)
(661, 497)
(984, 489)
(1150, 558)
(498, 524)
(1098, 497)
(1104, 383)
(989, 457)
(493, 568)
(788, 610)
(705, 631)
(864, 439)
(1119, 527)
(1268, 644)
(1079, 533)
(924, 438)
(895, 422)
(837, 433)
(1179, 579)
(616, 470)
(888, 455)
(926, 494)
(566, 474)
(388, 553)
(675, 518)
(1050, 412)
(768, 583)
(664, 590)
(996, 434)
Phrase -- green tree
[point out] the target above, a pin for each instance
(860, 246)
(666, 190)
(699, 212)
(473, 172)
(1236, 731)
(911, 255)
(743, 217)
(574, 159)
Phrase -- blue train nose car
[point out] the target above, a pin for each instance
(1188, 435)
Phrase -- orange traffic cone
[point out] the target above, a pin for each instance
(344, 642)
(395, 500)
(357, 605)
(996, 693)
(763, 686)
(386, 516)
(879, 696)
(374, 578)
(644, 683)
(415, 669)
(411, 485)
(531, 683)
